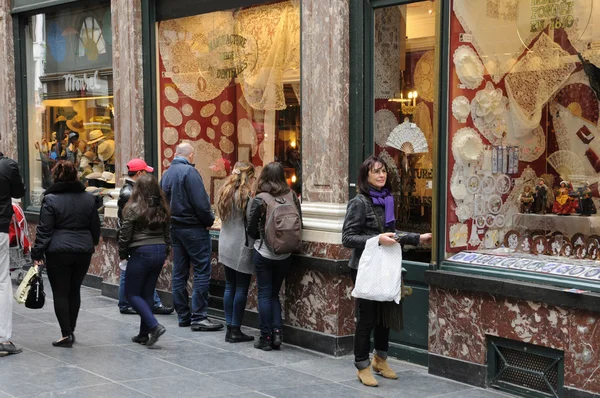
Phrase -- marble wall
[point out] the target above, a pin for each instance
(459, 323)
(8, 115)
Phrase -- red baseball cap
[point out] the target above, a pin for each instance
(139, 165)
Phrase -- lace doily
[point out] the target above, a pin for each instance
(532, 146)
(214, 120)
(168, 152)
(247, 134)
(467, 145)
(173, 116)
(424, 77)
(461, 108)
(385, 121)
(192, 128)
(488, 109)
(171, 94)
(458, 187)
(468, 67)
(210, 132)
(187, 110)
(408, 138)
(535, 79)
(458, 235)
(208, 110)
(498, 29)
(386, 52)
(226, 145)
(464, 212)
(566, 164)
(170, 135)
(227, 129)
(580, 100)
(226, 107)
(205, 155)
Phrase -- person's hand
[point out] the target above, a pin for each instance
(38, 262)
(425, 238)
(387, 239)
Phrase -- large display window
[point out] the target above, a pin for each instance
(229, 83)
(68, 66)
(524, 136)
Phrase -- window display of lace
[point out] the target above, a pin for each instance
(387, 52)
(424, 76)
(488, 109)
(584, 31)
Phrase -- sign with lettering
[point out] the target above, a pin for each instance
(557, 13)
(231, 50)
(82, 83)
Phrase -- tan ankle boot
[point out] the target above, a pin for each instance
(366, 377)
(381, 366)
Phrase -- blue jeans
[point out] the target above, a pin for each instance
(236, 295)
(123, 303)
(143, 270)
(270, 275)
(191, 247)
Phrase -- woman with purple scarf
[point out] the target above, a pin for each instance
(372, 213)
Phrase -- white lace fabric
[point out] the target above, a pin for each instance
(387, 52)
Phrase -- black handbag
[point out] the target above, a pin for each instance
(36, 298)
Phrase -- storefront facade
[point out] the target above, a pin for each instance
(469, 102)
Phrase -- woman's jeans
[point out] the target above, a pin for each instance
(269, 278)
(65, 273)
(236, 295)
(366, 322)
(143, 270)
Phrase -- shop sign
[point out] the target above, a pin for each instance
(81, 83)
(559, 13)
(227, 49)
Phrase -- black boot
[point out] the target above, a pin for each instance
(264, 343)
(277, 339)
(237, 336)
(228, 334)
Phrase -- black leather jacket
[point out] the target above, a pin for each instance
(124, 195)
(69, 221)
(133, 234)
(361, 224)
(11, 186)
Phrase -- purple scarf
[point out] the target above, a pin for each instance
(384, 198)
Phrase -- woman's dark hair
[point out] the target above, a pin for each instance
(64, 171)
(272, 180)
(148, 203)
(363, 174)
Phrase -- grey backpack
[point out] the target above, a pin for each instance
(283, 224)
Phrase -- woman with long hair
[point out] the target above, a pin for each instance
(145, 242)
(231, 204)
(67, 232)
(271, 268)
(372, 213)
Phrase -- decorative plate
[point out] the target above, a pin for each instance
(500, 220)
(566, 250)
(581, 252)
(488, 184)
(468, 67)
(503, 184)
(593, 253)
(592, 239)
(495, 204)
(461, 108)
(480, 222)
(467, 145)
(525, 244)
(578, 240)
(554, 246)
(540, 245)
(490, 220)
(511, 239)
(473, 184)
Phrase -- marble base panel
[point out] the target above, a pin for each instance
(459, 323)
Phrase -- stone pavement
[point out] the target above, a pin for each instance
(105, 363)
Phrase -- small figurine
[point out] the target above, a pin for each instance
(564, 203)
(526, 200)
(539, 202)
(585, 199)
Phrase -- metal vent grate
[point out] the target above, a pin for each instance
(524, 368)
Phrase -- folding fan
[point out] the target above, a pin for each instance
(566, 163)
(408, 138)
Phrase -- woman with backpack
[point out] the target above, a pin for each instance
(275, 221)
(232, 200)
(372, 213)
(145, 242)
(67, 232)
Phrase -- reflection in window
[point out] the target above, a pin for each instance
(91, 40)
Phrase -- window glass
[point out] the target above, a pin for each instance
(404, 60)
(229, 83)
(69, 96)
(524, 138)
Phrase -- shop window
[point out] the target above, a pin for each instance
(404, 60)
(524, 136)
(229, 83)
(69, 96)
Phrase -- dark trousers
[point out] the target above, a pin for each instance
(270, 275)
(66, 272)
(366, 322)
(236, 295)
(191, 246)
(143, 270)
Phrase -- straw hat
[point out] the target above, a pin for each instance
(108, 177)
(106, 150)
(60, 119)
(95, 136)
(96, 175)
(76, 124)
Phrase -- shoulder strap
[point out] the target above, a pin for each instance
(370, 203)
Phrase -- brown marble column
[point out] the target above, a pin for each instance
(325, 99)
(128, 82)
(8, 115)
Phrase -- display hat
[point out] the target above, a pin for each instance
(94, 176)
(106, 150)
(89, 154)
(73, 135)
(95, 136)
(108, 177)
(60, 119)
(76, 124)
(137, 164)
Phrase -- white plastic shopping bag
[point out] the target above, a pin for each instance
(379, 275)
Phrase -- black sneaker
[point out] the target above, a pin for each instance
(140, 339)
(264, 343)
(162, 310)
(185, 324)
(155, 333)
(128, 311)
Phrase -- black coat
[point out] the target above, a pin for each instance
(69, 221)
(124, 195)
(361, 224)
(11, 186)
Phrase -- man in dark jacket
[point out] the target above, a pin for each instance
(191, 217)
(135, 169)
(11, 186)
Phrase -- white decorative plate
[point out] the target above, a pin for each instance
(503, 184)
(473, 184)
(461, 108)
(468, 67)
(495, 204)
